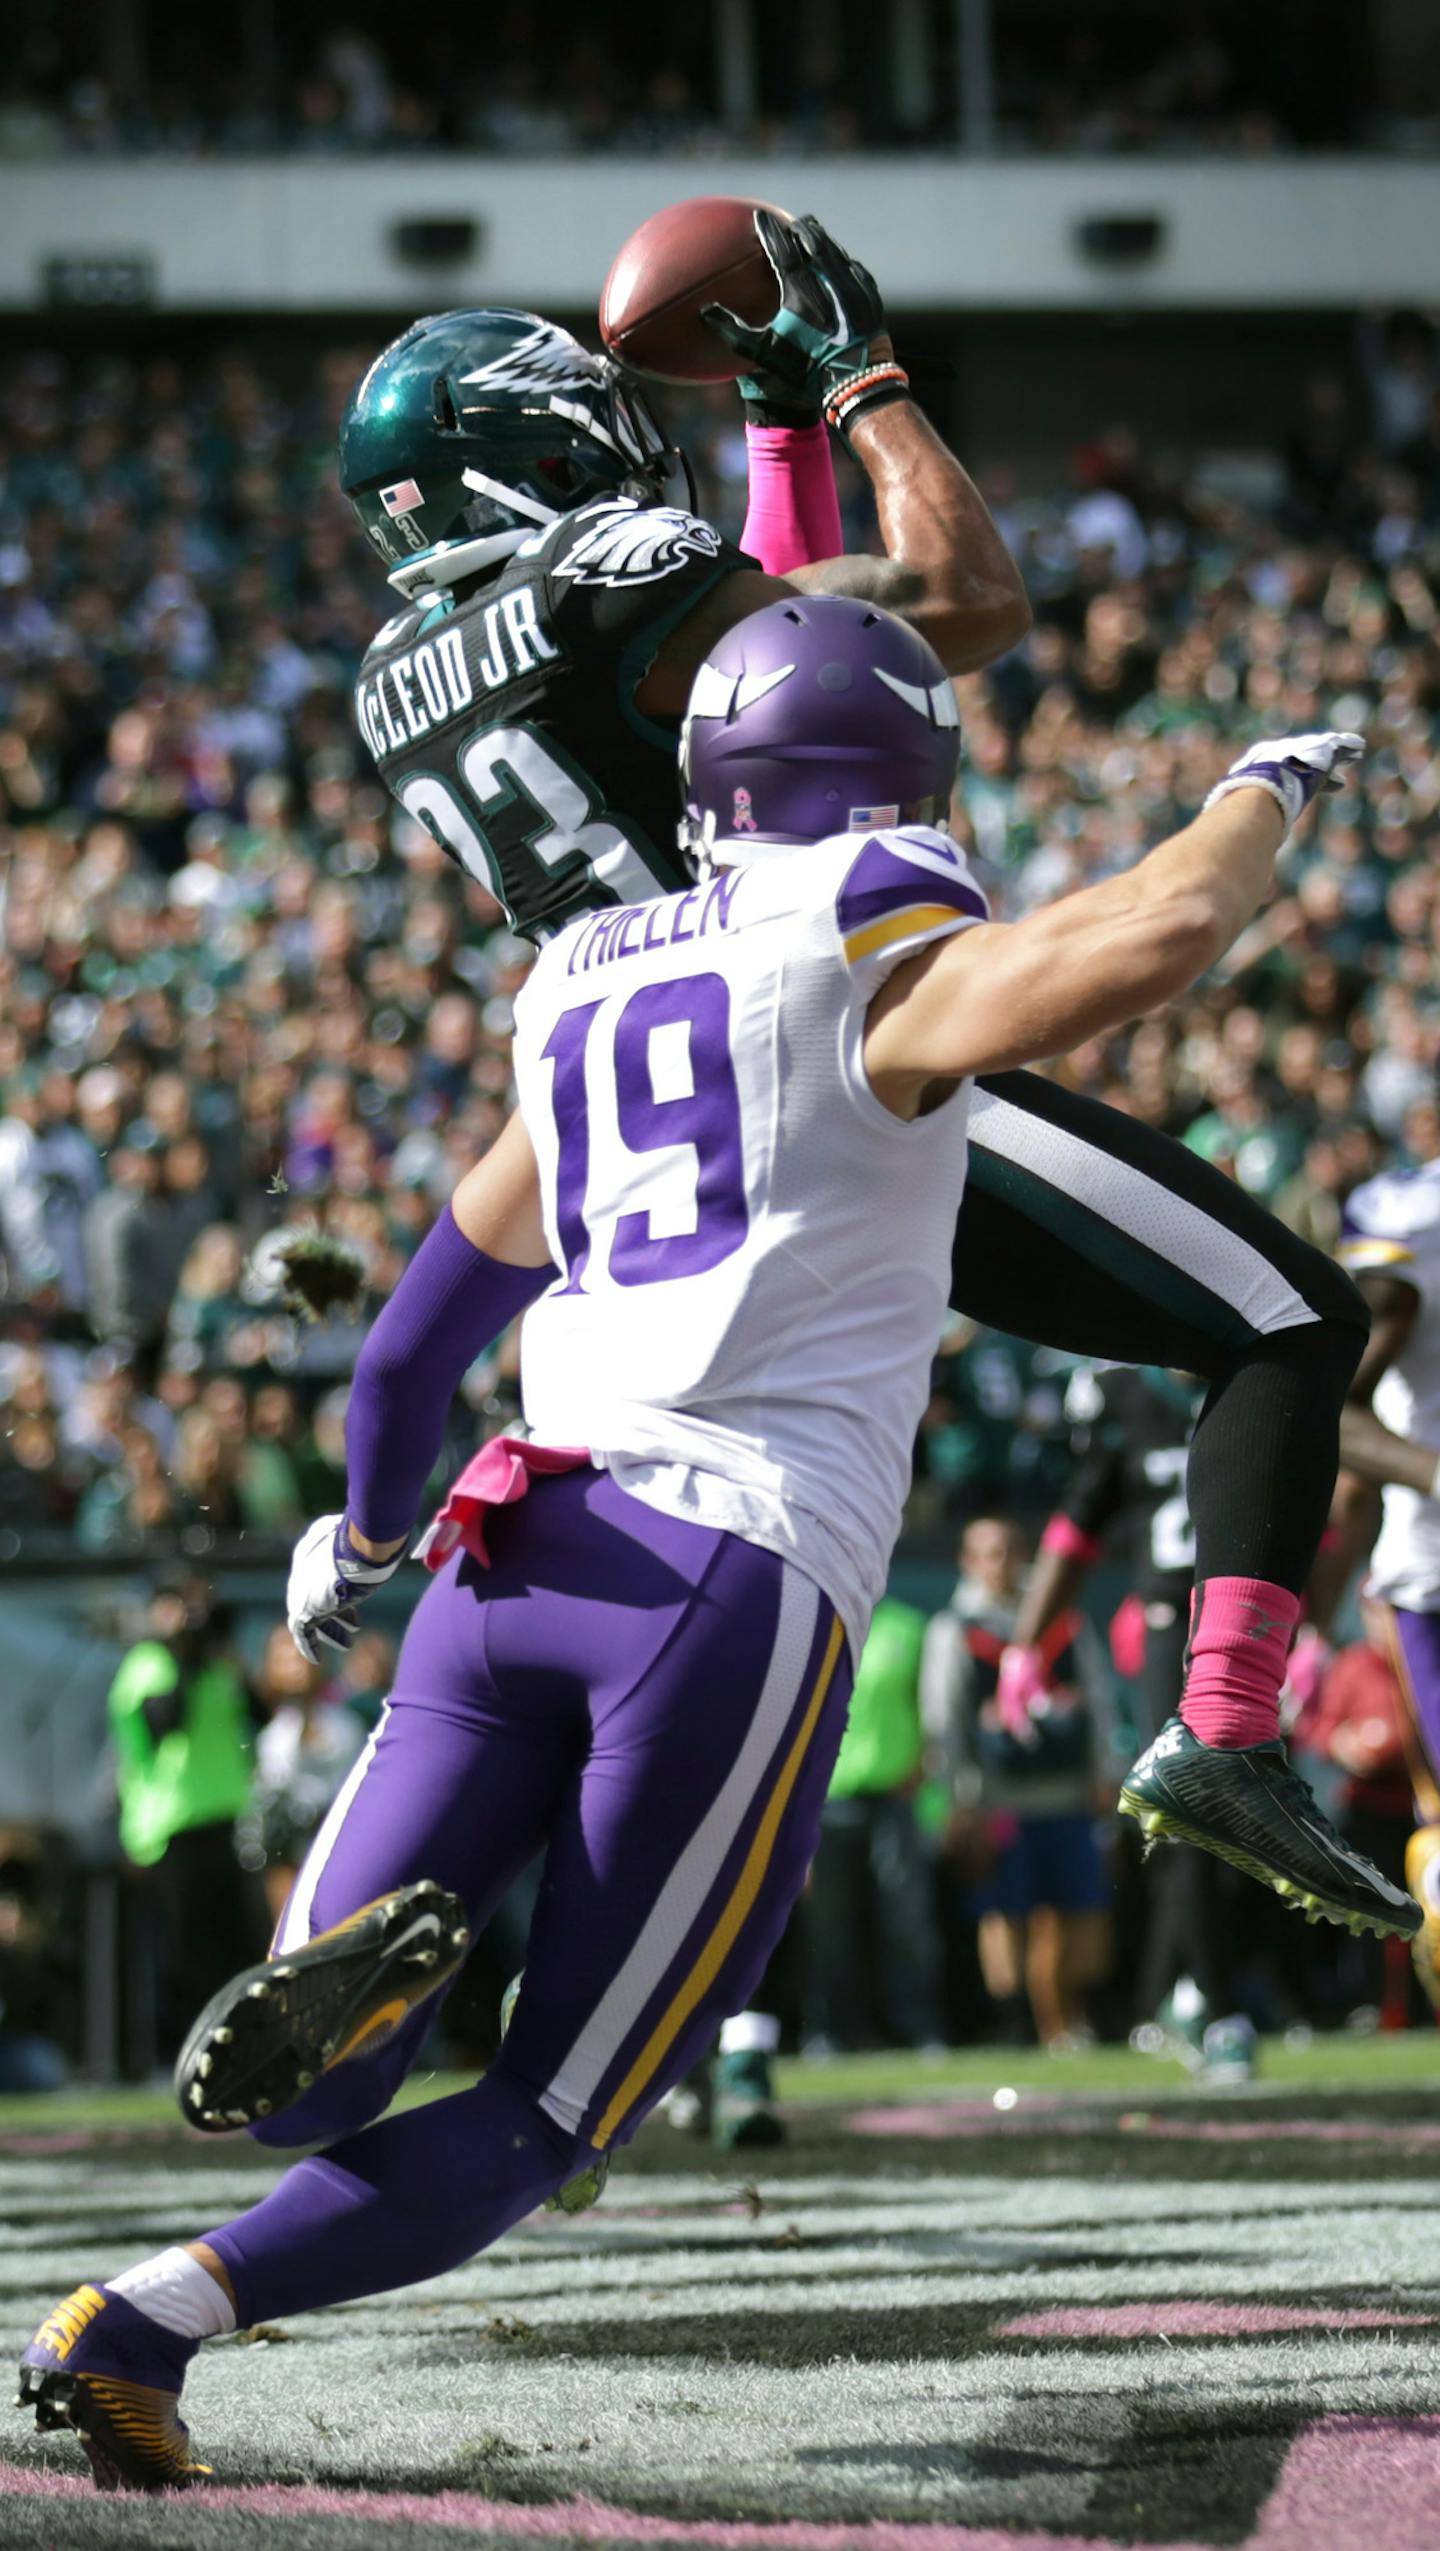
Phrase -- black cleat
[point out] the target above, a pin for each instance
(272, 2031)
(1245, 1804)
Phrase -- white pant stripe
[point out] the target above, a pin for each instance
(698, 1866)
(295, 1921)
(1182, 1233)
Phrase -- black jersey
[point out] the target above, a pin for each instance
(1132, 1443)
(504, 719)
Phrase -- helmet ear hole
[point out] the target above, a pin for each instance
(442, 406)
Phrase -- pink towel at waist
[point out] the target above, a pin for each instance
(499, 1475)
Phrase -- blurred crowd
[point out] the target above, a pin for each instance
(352, 79)
(240, 993)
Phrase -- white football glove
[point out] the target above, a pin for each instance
(328, 1577)
(1294, 768)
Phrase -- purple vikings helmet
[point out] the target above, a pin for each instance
(815, 716)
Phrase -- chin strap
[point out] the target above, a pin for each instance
(450, 561)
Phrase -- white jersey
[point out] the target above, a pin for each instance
(1392, 1226)
(755, 1252)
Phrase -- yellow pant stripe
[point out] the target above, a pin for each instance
(746, 1888)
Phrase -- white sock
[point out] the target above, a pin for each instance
(174, 2289)
(750, 2033)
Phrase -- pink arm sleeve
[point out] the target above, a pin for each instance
(794, 514)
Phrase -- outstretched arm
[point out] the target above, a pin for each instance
(1000, 995)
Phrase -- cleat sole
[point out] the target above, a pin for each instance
(1159, 1826)
(269, 2035)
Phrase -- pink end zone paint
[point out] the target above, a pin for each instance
(1240, 1634)
(1202, 2320)
(1046, 2112)
(584, 2520)
(1344, 2478)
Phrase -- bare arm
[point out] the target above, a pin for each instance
(999, 995)
(1050, 1589)
(946, 568)
(1368, 1448)
(497, 1203)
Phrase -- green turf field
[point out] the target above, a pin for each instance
(1106, 2312)
(1324, 2063)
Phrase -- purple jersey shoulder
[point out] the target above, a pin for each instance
(884, 880)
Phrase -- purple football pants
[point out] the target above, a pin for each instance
(656, 1706)
(1417, 1640)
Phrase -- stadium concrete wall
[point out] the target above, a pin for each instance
(292, 235)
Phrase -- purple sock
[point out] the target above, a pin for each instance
(406, 2199)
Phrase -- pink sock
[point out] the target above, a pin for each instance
(794, 514)
(1240, 1634)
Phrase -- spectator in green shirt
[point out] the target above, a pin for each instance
(182, 1725)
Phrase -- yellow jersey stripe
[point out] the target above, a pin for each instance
(900, 925)
(1374, 1253)
(747, 1886)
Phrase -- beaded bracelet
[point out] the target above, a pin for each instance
(858, 390)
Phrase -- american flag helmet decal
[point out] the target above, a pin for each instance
(402, 498)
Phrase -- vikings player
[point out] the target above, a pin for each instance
(524, 708)
(730, 1195)
(1390, 1435)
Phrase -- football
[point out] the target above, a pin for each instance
(702, 250)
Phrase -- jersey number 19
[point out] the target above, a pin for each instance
(673, 1089)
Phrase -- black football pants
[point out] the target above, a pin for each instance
(1084, 1230)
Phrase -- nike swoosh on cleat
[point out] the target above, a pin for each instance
(1363, 1868)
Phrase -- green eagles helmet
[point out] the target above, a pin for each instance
(476, 429)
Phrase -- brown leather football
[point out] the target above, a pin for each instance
(702, 250)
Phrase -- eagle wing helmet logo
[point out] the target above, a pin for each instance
(549, 358)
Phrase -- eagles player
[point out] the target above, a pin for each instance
(524, 706)
(636, 1650)
(524, 703)
(1390, 1436)
(1131, 1440)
